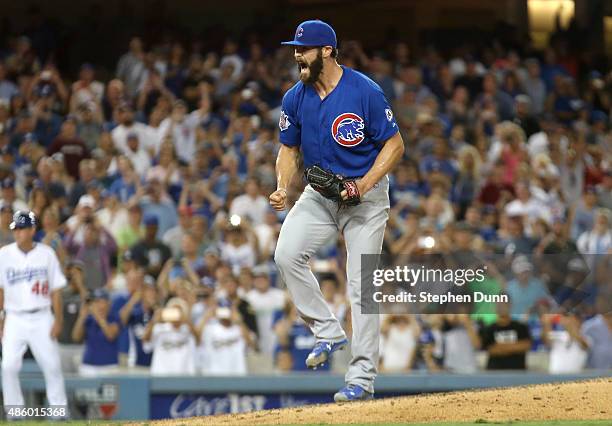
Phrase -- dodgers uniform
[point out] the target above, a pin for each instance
(342, 133)
(28, 279)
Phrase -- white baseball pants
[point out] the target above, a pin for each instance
(34, 330)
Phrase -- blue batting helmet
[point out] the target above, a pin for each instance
(23, 219)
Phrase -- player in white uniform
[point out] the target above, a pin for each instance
(31, 280)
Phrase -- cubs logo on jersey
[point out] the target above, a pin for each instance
(347, 129)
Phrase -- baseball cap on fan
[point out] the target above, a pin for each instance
(313, 33)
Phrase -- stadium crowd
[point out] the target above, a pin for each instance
(152, 188)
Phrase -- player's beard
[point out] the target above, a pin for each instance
(315, 68)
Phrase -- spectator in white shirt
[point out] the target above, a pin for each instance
(599, 239)
(552, 133)
(267, 234)
(182, 131)
(128, 126)
(597, 331)
(131, 66)
(9, 195)
(568, 347)
(400, 336)
(137, 154)
(225, 340)
(528, 207)
(265, 300)
(230, 56)
(86, 89)
(238, 248)
(114, 216)
(174, 236)
(84, 211)
(172, 338)
(251, 204)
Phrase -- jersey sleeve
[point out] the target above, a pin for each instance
(56, 276)
(290, 132)
(2, 272)
(381, 122)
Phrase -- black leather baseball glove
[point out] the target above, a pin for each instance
(331, 186)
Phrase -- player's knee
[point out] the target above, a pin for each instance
(279, 259)
(10, 366)
(286, 257)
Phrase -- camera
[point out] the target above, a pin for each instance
(171, 314)
(235, 220)
(427, 242)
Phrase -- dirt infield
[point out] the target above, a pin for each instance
(585, 400)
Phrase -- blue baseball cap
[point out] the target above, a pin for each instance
(151, 220)
(23, 219)
(100, 293)
(313, 33)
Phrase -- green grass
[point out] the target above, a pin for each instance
(70, 423)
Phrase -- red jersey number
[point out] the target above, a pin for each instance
(41, 288)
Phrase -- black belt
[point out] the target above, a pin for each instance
(32, 311)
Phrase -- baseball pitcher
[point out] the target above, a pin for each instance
(345, 129)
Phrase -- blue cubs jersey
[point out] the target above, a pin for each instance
(345, 131)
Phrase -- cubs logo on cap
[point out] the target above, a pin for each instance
(22, 220)
(347, 129)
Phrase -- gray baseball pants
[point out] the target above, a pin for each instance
(309, 224)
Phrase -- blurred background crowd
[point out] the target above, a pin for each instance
(151, 182)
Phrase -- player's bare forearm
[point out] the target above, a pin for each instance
(194, 331)
(387, 159)
(126, 311)
(286, 165)
(110, 331)
(58, 309)
(78, 332)
(521, 346)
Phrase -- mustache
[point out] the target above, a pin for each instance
(315, 68)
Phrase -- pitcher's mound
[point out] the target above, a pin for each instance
(585, 400)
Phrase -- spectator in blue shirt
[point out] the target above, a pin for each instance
(295, 342)
(99, 326)
(525, 290)
(48, 123)
(8, 89)
(407, 190)
(126, 183)
(136, 312)
(439, 160)
(157, 203)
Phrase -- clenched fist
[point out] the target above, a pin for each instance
(278, 199)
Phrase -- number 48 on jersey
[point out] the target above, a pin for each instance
(41, 288)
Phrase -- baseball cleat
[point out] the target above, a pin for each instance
(321, 352)
(352, 393)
